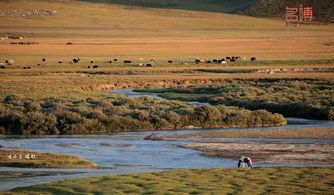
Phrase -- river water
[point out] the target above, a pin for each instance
(122, 153)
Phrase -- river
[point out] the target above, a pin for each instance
(121, 153)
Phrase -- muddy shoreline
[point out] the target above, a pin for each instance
(269, 152)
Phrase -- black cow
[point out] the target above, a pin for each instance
(60, 62)
(253, 58)
(2, 67)
(76, 60)
(208, 61)
(148, 65)
(88, 67)
(43, 60)
(69, 43)
(214, 60)
(170, 61)
(91, 62)
(95, 66)
(127, 61)
(228, 58)
(197, 61)
(115, 60)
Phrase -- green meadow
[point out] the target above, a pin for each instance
(266, 180)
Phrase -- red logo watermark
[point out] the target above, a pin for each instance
(304, 16)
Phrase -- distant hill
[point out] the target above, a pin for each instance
(226, 6)
(258, 8)
(276, 8)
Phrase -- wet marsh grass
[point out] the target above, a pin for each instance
(276, 180)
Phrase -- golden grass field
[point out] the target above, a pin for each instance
(102, 31)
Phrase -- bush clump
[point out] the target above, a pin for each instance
(66, 116)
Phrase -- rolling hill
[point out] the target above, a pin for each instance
(259, 8)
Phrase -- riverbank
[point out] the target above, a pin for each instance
(269, 152)
(288, 146)
(275, 180)
(297, 133)
(31, 159)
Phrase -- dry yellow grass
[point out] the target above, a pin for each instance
(101, 31)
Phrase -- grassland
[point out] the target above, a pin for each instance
(101, 32)
(269, 180)
(31, 159)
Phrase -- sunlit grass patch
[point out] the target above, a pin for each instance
(277, 180)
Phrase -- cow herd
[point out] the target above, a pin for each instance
(222, 60)
(151, 62)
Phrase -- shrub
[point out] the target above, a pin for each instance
(206, 113)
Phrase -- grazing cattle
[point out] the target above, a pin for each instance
(2, 67)
(208, 61)
(219, 61)
(91, 62)
(197, 61)
(88, 67)
(170, 61)
(95, 66)
(69, 43)
(232, 59)
(253, 58)
(38, 64)
(152, 61)
(29, 67)
(223, 62)
(43, 60)
(9, 62)
(243, 160)
(214, 60)
(127, 61)
(228, 58)
(115, 60)
(76, 60)
(24, 67)
(60, 62)
(140, 64)
(148, 65)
